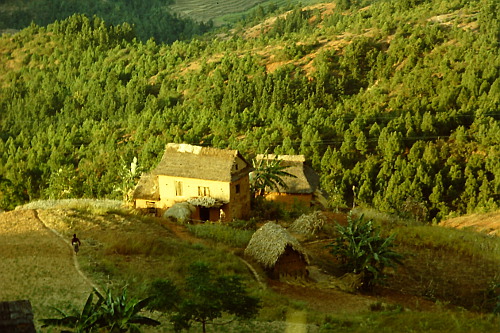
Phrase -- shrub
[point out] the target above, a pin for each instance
(222, 233)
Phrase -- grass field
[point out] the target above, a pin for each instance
(446, 274)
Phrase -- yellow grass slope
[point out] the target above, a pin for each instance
(488, 223)
(37, 265)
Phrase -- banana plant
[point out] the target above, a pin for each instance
(113, 314)
(84, 322)
(361, 249)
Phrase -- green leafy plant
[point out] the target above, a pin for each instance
(81, 322)
(206, 297)
(110, 313)
(268, 173)
(122, 314)
(362, 249)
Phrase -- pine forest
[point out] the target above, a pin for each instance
(396, 104)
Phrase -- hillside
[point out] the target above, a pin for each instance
(484, 223)
(150, 18)
(121, 249)
(395, 105)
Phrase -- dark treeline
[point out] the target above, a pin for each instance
(402, 114)
(150, 18)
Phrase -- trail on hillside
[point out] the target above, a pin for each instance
(75, 259)
(36, 266)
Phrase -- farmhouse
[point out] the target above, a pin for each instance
(214, 180)
(278, 252)
(302, 189)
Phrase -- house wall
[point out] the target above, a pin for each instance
(147, 206)
(290, 199)
(290, 263)
(236, 194)
(239, 201)
(175, 189)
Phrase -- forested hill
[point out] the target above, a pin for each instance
(395, 103)
(150, 18)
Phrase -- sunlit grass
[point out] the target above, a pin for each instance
(222, 233)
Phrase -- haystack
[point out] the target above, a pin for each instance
(278, 251)
(309, 224)
(181, 211)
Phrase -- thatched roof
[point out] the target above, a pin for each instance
(306, 180)
(147, 188)
(187, 161)
(269, 242)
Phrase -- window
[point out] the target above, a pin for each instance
(151, 207)
(178, 188)
(203, 191)
(238, 188)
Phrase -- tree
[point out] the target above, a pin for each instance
(362, 249)
(208, 296)
(115, 314)
(268, 173)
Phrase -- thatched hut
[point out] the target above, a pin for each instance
(16, 317)
(301, 188)
(278, 251)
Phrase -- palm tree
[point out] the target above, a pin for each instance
(268, 173)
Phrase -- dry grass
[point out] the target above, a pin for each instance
(445, 266)
(37, 265)
(486, 223)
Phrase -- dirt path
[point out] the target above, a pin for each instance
(36, 265)
(38, 215)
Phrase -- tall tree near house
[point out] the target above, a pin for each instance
(267, 174)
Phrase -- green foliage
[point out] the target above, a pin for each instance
(166, 295)
(206, 297)
(110, 313)
(268, 175)
(222, 233)
(122, 314)
(167, 27)
(83, 322)
(362, 249)
(408, 116)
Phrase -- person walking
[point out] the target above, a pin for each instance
(75, 242)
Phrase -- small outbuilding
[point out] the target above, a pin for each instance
(301, 188)
(278, 251)
(16, 317)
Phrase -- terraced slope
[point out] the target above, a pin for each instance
(204, 10)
